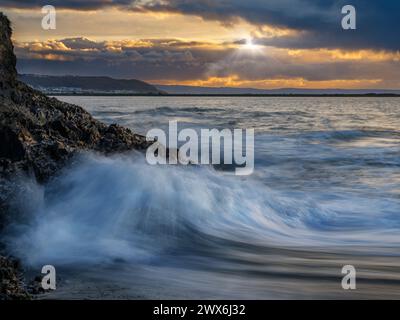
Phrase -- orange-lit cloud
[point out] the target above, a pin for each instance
(323, 55)
(235, 81)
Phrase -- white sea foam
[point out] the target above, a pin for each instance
(103, 208)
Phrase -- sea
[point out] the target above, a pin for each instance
(324, 194)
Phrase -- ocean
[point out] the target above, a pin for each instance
(325, 193)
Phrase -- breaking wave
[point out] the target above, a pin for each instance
(104, 208)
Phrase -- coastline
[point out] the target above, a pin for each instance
(374, 95)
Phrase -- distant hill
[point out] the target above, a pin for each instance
(86, 85)
(178, 89)
(79, 84)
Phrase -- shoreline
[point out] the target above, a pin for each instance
(372, 95)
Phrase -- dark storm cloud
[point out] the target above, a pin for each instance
(378, 22)
(67, 4)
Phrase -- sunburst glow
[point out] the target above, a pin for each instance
(250, 45)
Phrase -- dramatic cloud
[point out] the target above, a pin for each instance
(169, 60)
(318, 21)
(66, 4)
(253, 43)
(144, 59)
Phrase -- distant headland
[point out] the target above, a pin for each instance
(106, 86)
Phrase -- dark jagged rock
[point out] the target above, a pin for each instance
(11, 284)
(8, 73)
(39, 134)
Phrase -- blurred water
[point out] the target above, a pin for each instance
(341, 155)
(325, 193)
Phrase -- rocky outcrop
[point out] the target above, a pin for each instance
(39, 134)
(8, 73)
(11, 282)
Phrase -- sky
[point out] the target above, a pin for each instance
(264, 44)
